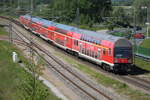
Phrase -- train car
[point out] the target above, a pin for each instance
(113, 53)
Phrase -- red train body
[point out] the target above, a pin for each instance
(113, 53)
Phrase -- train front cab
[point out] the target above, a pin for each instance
(122, 55)
(25, 20)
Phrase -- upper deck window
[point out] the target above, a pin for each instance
(61, 30)
(45, 26)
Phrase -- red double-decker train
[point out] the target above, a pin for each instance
(112, 53)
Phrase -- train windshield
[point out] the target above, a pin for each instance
(123, 52)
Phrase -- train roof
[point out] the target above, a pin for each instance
(101, 36)
(85, 34)
(27, 16)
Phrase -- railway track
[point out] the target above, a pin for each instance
(90, 92)
(132, 80)
(141, 83)
(136, 81)
(144, 57)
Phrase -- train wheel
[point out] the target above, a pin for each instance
(37, 35)
(75, 54)
(67, 50)
(103, 66)
(106, 67)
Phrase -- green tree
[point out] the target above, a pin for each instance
(119, 14)
(32, 88)
(140, 10)
(93, 9)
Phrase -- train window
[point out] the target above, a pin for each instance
(109, 51)
(61, 31)
(92, 54)
(76, 42)
(88, 52)
(104, 51)
(45, 26)
(33, 28)
(83, 50)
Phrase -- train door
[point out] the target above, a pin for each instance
(69, 42)
(52, 35)
(75, 45)
(65, 41)
(81, 47)
(99, 53)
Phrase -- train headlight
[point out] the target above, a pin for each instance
(116, 60)
(129, 60)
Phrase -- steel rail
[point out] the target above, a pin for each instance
(133, 81)
(57, 61)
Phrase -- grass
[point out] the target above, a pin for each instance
(118, 86)
(120, 34)
(146, 43)
(11, 75)
(9, 13)
(2, 31)
(8, 86)
(142, 64)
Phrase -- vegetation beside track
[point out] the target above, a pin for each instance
(142, 64)
(13, 78)
(2, 31)
(118, 86)
(146, 43)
